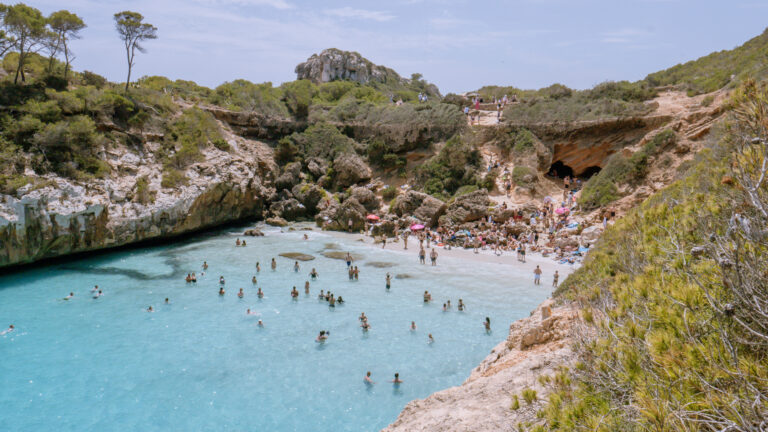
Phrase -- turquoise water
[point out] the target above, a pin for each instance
(201, 363)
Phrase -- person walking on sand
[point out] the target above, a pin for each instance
(537, 276)
(433, 257)
(554, 280)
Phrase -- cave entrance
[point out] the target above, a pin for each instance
(559, 169)
(589, 172)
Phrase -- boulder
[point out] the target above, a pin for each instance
(350, 169)
(289, 209)
(591, 234)
(298, 256)
(425, 208)
(276, 221)
(467, 208)
(366, 197)
(333, 64)
(385, 227)
(336, 216)
(309, 195)
(290, 176)
(253, 232)
(318, 167)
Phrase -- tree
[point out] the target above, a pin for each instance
(6, 41)
(66, 27)
(133, 31)
(27, 26)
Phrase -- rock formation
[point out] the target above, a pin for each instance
(425, 208)
(333, 64)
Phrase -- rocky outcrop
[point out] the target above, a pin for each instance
(366, 197)
(425, 208)
(333, 64)
(350, 169)
(536, 346)
(309, 195)
(467, 208)
(288, 209)
(336, 216)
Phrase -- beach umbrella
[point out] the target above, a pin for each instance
(372, 217)
(561, 210)
(416, 227)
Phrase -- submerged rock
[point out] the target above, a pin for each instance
(254, 233)
(298, 256)
(403, 276)
(380, 264)
(339, 255)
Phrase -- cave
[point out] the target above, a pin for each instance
(589, 172)
(559, 169)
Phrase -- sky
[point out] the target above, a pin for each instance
(460, 45)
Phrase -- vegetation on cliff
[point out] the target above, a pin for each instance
(675, 292)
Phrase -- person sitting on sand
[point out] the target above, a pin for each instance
(427, 297)
(221, 291)
(313, 274)
(323, 336)
(69, 297)
(8, 330)
(397, 380)
(253, 280)
(294, 293)
(367, 378)
(260, 293)
(461, 306)
(240, 293)
(274, 264)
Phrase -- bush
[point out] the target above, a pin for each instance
(455, 165)
(173, 177)
(297, 96)
(515, 403)
(89, 78)
(524, 176)
(465, 190)
(142, 194)
(320, 140)
(529, 395)
(242, 95)
(194, 130)
(389, 193)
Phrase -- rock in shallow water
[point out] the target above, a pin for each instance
(339, 255)
(298, 256)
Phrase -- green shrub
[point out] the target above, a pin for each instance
(142, 194)
(389, 193)
(524, 176)
(707, 100)
(297, 96)
(89, 78)
(320, 140)
(529, 395)
(173, 177)
(455, 165)
(515, 403)
(465, 190)
(194, 130)
(242, 95)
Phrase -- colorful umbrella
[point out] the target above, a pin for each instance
(416, 227)
(372, 217)
(561, 210)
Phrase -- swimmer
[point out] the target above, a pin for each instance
(221, 280)
(367, 378)
(340, 300)
(237, 242)
(296, 266)
(365, 326)
(313, 274)
(8, 330)
(306, 237)
(240, 293)
(397, 379)
(188, 279)
(253, 280)
(363, 317)
(448, 303)
(221, 291)
(194, 278)
(260, 293)
(167, 301)
(95, 289)
(461, 306)
(445, 308)
(431, 339)
(306, 287)
(427, 297)
(348, 258)
(248, 312)
(205, 265)
(413, 325)
(244, 243)
(487, 325)
(97, 295)
(322, 336)
(389, 280)
(149, 309)
(274, 264)
(260, 323)
(258, 267)
(294, 293)
(332, 302)
(357, 273)
(69, 296)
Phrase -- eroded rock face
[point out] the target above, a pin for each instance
(425, 208)
(333, 64)
(467, 208)
(336, 216)
(350, 170)
(366, 197)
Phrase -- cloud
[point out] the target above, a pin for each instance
(348, 12)
(277, 4)
(623, 36)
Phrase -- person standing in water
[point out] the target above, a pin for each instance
(461, 305)
(554, 280)
(253, 280)
(240, 293)
(205, 265)
(413, 325)
(422, 256)
(306, 287)
(389, 280)
(348, 258)
(296, 266)
(433, 257)
(274, 264)
(258, 267)
(260, 293)
(397, 381)
(487, 324)
(537, 276)
(367, 378)
(294, 293)
(405, 240)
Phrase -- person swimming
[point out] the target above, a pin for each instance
(274, 264)
(389, 280)
(260, 293)
(367, 378)
(357, 273)
(95, 289)
(306, 287)
(244, 243)
(221, 291)
(313, 274)
(294, 293)
(258, 267)
(194, 278)
(188, 279)
(8, 330)
(487, 324)
(340, 300)
(461, 306)
(323, 336)
(69, 297)
(331, 301)
(97, 294)
(167, 301)
(448, 303)
(205, 265)
(397, 381)
(296, 266)
(260, 323)
(240, 293)
(149, 309)
(365, 326)
(249, 312)
(427, 297)
(306, 237)
(431, 339)
(221, 280)
(253, 280)
(413, 325)
(237, 242)
(445, 308)
(321, 296)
